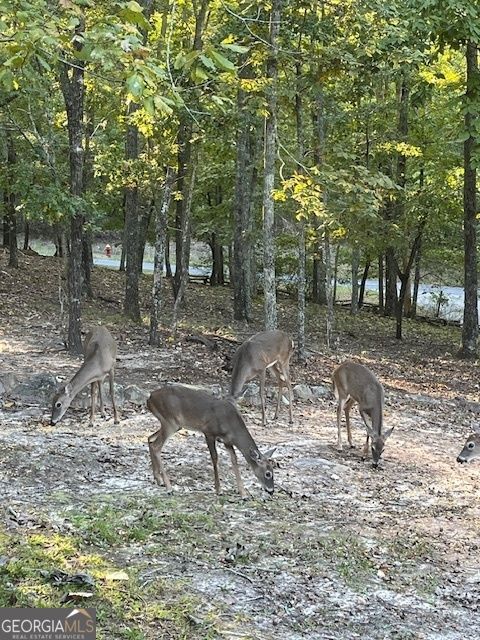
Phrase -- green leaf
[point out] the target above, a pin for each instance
(135, 85)
(149, 105)
(162, 106)
(208, 62)
(238, 48)
(221, 61)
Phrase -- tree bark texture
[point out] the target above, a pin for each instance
(131, 303)
(161, 220)
(11, 212)
(355, 267)
(242, 233)
(73, 89)
(363, 283)
(470, 312)
(269, 287)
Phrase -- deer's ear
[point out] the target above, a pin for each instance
(268, 454)
(388, 433)
(67, 390)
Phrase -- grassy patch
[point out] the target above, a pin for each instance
(127, 607)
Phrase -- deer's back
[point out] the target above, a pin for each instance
(357, 381)
(101, 346)
(194, 409)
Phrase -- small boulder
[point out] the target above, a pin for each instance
(134, 394)
(321, 391)
(250, 396)
(39, 389)
(302, 392)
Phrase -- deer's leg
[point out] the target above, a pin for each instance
(348, 405)
(280, 378)
(286, 372)
(236, 470)
(367, 419)
(93, 388)
(341, 404)
(212, 447)
(155, 445)
(100, 396)
(262, 395)
(111, 379)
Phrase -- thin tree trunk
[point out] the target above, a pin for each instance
(470, 313)
(131, 304)
(11, 203)
(319, 294)
(168, 266)
(301, 355)
(380, 284)
(73, 92)
(184, 160)
(216, 277)
(330, 318)
(87, 254)
(26, 236)
(185, 245)
(269, 287)
(355, 267)
(416, 282)
(87, 262)
(363, 283)
(242, 234)
(161, 220)
(335, 272)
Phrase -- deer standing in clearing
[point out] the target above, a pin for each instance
(178, 407)
(353, 382)
(265, 350)
(99, 362)
(471, 449)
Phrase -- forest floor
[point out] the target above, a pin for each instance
(340, 551)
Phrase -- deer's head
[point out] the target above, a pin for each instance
(60, 403)
(263, 468)
(378, 444)
(471, 449)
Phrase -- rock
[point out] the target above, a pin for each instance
(135, 395)
(39, 389)
(302, 392)
(82, 400)
(250, 396)
(8, 381)
(321, 391)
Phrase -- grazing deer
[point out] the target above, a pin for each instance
(100, 355)
(352, 382)
(471, 449)
(178, 407)
(265, 350)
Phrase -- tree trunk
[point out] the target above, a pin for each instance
(131, 304)
(186, 233)
(11, 203)
(161, 220)
(72, 85)
(380, 284)
(242, 233)
(363, 283)
(355, 267)
(168, 266)
(330, 318)
(405, 279)
(301, 273)
(335, 272)
(416, 282)
(26, 236)
(319, 294)
(87, 263)
(269, 288)
(184, 160)
(391, 295)
(470, 313)
(216, 277)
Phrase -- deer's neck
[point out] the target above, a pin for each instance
(88, 373)
(245, 443)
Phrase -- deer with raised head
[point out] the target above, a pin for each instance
(100, 351)
(353, 382)
(265, 350)
(471, 449)
(219, 420)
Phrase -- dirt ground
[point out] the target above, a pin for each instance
(340, 551)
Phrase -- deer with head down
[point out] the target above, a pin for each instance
(100, 351)
(471, 448)
(265, 350)
(219, 420)
(354, 383)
